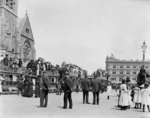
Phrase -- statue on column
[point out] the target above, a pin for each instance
(141, 78)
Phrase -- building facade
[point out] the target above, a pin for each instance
(122, 69)
(16, 38)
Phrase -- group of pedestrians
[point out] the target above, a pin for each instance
(67, 87)
(93, 85)
(25, 85)
(138, 96)
(12, 63)
(141, 97)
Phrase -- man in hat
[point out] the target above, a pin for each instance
(68, 84)
(44, 89)
(37, 87)
(96, 87)
(6, 60)
(85, 88)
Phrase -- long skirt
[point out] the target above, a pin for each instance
(146, 98)
(139, 97)
(25, 91)
(30, 91)
(130, 100)
(135, 98)
(124, 100)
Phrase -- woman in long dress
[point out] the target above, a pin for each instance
(109, 91)
(30, 88)
(123, 101)
(146, 97)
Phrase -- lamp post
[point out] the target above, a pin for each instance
(144, 47)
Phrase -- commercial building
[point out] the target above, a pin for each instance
(121, 69)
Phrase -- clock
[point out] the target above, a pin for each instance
(26, 49)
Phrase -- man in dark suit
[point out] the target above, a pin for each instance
(68, 84)
(30, 88)
(85, 88)
(44, 90)
(96, 86)
(37, 87)
(25, 86)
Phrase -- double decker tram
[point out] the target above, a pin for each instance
(9, 78)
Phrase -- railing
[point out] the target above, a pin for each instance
(21, 70)
(56, 73)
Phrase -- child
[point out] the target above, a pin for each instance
(139, 97)
(135, 97)
(129, 97)
(118, 94)
(108, 91)
(145, 97)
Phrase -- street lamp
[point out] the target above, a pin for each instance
(144, 47)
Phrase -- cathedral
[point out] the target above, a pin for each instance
(16, 37)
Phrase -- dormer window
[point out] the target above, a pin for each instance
(7, 2)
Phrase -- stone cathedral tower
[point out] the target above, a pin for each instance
(16, 37)
(8, 25)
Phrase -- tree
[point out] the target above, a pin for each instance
(141, 76)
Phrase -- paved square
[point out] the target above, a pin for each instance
(14, 106)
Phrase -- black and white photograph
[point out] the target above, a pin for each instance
(74, 58)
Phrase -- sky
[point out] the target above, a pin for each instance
(84, 32)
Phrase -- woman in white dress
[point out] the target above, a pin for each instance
(109, 91)
(146, 97)
(123, 101)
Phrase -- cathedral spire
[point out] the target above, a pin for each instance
(26, 13)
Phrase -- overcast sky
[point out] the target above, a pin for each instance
(84, 32)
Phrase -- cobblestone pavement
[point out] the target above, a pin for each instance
(14, 106)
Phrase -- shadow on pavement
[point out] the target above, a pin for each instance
(61, 107)
(83, 103)
(116, 108)
(139, 111)
(38, 106)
